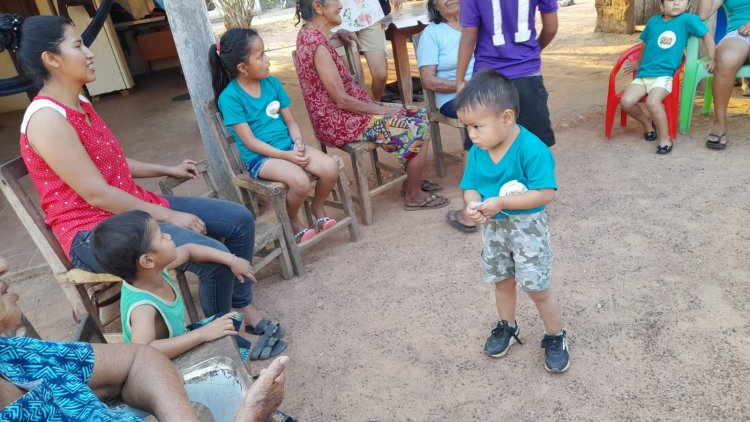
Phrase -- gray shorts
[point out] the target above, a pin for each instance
(519, 246)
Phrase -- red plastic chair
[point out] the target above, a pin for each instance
(671, 101)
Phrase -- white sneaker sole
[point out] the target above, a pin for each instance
(557, 371)
(504, 352)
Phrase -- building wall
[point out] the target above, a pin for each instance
(7, 70)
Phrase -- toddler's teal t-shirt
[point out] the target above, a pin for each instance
(528, 161)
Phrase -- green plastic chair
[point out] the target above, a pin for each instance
(695, 72)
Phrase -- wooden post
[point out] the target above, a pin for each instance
(615, 16)
(192, 34)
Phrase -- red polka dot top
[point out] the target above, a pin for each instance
(66, 212)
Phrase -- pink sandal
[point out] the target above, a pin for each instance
(304, 234)
(325, 223)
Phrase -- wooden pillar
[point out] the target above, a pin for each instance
(192, 34)
(615, 16)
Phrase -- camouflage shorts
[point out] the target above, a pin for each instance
(517, 245)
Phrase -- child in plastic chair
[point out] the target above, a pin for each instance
(664, 40)
(131, 245)
(508, 180)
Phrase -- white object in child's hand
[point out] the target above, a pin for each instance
(514, 187)
(299, 146)
(475, 204)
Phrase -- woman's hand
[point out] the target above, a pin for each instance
(187, 169)
(347, 37)
(186, 220)
(242, 268)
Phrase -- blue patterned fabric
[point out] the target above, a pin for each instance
(55, 375)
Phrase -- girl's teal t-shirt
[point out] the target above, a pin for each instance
(665, 41)
(262, 114)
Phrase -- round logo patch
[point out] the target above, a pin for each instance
(667, 39)
(272, 110)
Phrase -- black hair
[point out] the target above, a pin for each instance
(29, 38)
(433, 12)
(224, 56)
(304, 10)
(119, 242)
(488, 89)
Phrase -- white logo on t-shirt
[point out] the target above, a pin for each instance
(667, 39)
(272, 110)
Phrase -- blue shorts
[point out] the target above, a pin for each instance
(253, 166)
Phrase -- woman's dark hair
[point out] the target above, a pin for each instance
(31, 37)
(305, 10)
(433, 12)
(224, 56)
(119, 242)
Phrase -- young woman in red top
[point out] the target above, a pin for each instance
(82, 175)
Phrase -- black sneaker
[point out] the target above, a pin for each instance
(556, 357)
(502, 337)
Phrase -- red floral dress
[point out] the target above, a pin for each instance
(333, 126)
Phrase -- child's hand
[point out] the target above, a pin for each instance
(474, 215)
(299, 158)
(710, 65)
(491, 207)
(299, 145)
(242, 268)
(629, 67)
(218, 328)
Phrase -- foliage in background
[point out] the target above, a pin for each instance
(237, 13)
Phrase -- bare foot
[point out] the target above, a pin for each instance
(266, 393)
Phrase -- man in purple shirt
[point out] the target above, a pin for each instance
(502, 36)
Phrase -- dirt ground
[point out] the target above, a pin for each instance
(650, 269)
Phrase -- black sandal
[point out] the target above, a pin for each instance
(716, 143)
(650, 136)
(665, 149)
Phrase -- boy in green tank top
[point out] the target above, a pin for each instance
(131, 245)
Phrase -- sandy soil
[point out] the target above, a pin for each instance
(650, 269)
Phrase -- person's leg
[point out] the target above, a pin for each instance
(408, 139)
(629, 102)
(448, 110)
(549, 309)
(658, 114)
(142, 377)
(327, 170)
(372, 45)
(236, 225)
(731, 54)
(534, 115)
(505, 299)
(297, 182)
(377, 62)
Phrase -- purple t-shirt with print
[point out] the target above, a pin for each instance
(506, 41)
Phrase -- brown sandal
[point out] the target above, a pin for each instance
(716, 142)
(433, 201)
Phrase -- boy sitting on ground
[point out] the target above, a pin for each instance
(664, 40)
(508, 180)
(131, 245)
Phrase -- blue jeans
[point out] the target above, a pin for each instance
(219, 289)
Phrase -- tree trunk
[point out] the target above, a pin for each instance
(192, 34)
(615, 16)
(645, 9)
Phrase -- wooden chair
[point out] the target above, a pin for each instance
(73, 281)
(361, 152)
(436, 118)
(276, 193)
(269, 239)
